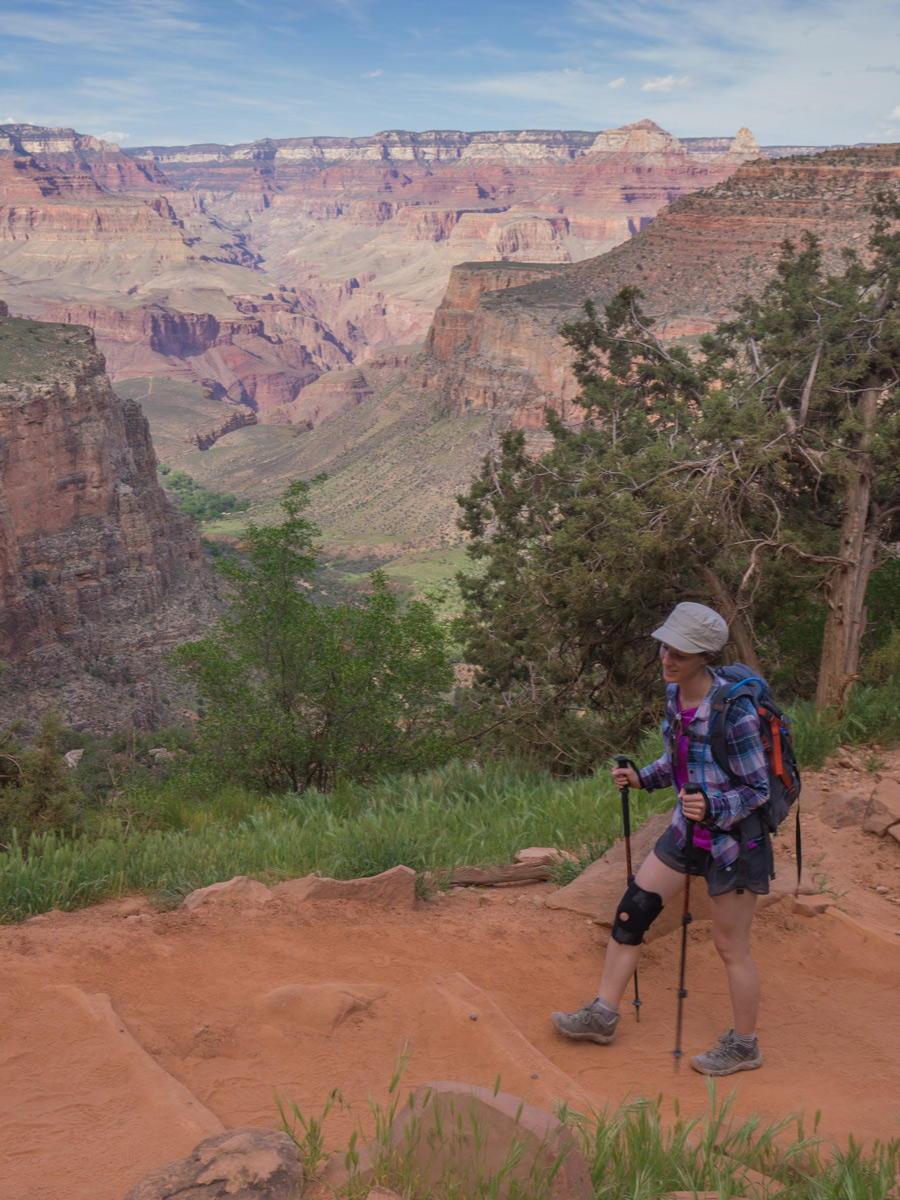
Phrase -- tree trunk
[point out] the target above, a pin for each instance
(845, 587)
(741, 633)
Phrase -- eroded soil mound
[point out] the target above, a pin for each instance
(127, 1036)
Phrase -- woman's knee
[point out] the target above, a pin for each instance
(731, 947)
(637, 911)
(732, 918)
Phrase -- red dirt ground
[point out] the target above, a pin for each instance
(127, 1035)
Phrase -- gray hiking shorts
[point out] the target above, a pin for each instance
(750, 872)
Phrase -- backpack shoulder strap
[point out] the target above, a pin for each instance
(720, 704)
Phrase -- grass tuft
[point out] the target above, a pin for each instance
(631, 1150)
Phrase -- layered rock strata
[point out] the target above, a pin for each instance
(88, 235)
(498, 346)
(255, 270)
(371, 226)
(92, 553)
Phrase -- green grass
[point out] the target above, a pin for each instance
(873, 715)
(167, 843)
(189, 831)
(632, 1150)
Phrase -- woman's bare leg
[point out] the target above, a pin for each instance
(732, 916)
(620, 961)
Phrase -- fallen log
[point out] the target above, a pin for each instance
(490, 876)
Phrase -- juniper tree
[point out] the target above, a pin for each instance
(751, 474)
(822, 353)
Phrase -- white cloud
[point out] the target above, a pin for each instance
(113, 135)
(667, 83)
(895, 114)
(617, 83)
(372, 74)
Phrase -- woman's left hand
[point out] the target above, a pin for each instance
(693, 805)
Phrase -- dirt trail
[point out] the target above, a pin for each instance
(126, 1036)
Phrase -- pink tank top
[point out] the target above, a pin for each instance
(702, 839)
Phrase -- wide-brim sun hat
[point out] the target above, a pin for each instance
(693, 629)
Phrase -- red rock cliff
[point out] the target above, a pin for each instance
(501, 349)
(90, 547)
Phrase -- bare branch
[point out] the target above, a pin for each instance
(808, 386)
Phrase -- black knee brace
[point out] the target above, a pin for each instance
(636, 913)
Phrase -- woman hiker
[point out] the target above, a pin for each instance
(730, 848)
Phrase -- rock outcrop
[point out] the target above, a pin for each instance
(500, 348)
(91, 551)
(89, 235)
(240, 1164)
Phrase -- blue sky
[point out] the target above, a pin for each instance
(177, 71)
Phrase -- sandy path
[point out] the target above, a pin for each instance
(125, 1039)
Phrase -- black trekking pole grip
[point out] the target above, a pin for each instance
(622, 762)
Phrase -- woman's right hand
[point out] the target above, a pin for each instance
(626, 777)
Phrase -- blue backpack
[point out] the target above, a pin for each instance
(775, 732)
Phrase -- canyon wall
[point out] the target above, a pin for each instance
(497, 345)
(98, 571)
(256, 270)
(392, 214)
(90, 236)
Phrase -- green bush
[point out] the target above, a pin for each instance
(297, 694)
(37, 793)
(199, 502)
(883, 662)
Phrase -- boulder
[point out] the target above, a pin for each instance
(461, 1134)
(894, 832)
(240, 888)
(842, 809)
(73, 758)
(883, 809)
(240, 1164)
(395, 888)
(539, 856)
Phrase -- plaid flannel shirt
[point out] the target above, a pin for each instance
(730, 796)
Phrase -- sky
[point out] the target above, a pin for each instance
(175, 72)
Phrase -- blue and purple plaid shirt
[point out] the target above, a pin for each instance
(730, 797)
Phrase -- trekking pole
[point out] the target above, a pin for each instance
(622, 762)
(686, 919)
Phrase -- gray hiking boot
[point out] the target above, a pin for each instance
(727, 1056)
(592, 1023)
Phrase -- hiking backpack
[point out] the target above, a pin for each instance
(775, 731)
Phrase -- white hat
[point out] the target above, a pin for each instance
(693, 629)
